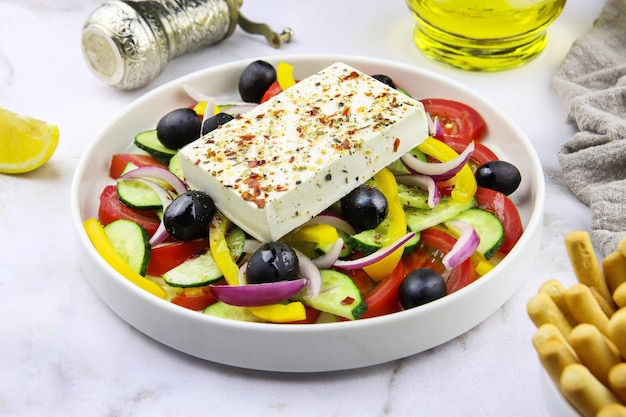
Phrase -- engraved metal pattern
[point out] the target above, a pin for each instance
(128, 43)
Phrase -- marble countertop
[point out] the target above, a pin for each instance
(64, 353)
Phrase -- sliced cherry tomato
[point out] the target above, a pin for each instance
(500, 205)
(364, 283)
(383, 299)
(111, 209)
(481, 155)
(165, 257)
(195, 298)
(434, 244)
(459, 120)
(271, 92)
(119, 161)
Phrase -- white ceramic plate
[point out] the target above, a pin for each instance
(320, 347)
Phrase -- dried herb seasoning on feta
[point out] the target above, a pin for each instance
(286, 160)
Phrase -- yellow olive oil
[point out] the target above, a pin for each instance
(483, 35)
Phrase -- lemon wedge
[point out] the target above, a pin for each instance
(25, 143)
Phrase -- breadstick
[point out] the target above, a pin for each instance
(594, 351)
(541, 309)
(582, 256)
(614, 269)
(616, 330)
(555, 289)
(584, 391)
(584, 307)
(612, 410)
(549, 332)
(554, 357)
(617, 380)
(619, 295)
(608, 308)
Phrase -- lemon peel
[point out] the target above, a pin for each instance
(26, 143)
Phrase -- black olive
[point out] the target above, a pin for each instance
(255, 79)
(211, 123)
(421, 286)
(364, 208)
(385, 79)
(501, 176)
(178, 128)
(189, 215)
(272, 262)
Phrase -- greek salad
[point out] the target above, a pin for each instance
(425, 226)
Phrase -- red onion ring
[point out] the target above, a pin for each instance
(327, 260)
(310, 273)
(465, 245)
(159, 173)
(166, 198)
(424, 182)
(197, 95)
(376, 256)
(255, 295)
(439, 171)
(332, 219)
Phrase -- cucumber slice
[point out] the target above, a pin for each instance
(226, 311)
(149, 142)
(345, 251)
(339, 296)
(137, 195)
(413, 197)
(488, 227)
(202, 270)
(369, 241)
(131, 242)
(174, 166)
(419, 219)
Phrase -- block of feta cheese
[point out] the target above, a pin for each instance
(280, 164)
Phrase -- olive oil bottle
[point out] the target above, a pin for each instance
(483, 35)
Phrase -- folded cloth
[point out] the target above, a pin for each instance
(591, 84)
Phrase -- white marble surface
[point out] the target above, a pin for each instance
(64, 353)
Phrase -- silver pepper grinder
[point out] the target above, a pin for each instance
(128, 43)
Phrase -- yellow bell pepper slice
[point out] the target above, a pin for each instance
(481, 264)
(220, 250)
(280, 313)
(465, 185)
(200, 107)
(386, 183)
(322, 234)
(284, 75)
(95, 232)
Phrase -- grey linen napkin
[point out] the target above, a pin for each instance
(591, 84)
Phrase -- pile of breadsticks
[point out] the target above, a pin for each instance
(581, 330)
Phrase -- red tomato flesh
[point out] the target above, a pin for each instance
(460, 121)
(434, 244)
(119, 161)
(168, 256)
(272, 91)
(502, 206)
(383, 299)
(111, 209)
(196, 299)
(481, 154)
